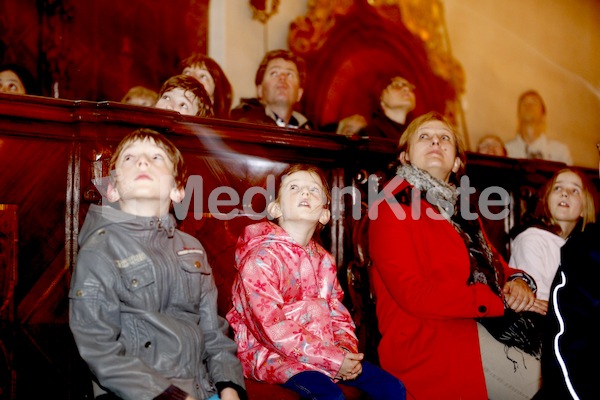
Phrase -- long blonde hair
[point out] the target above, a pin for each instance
(542, 210)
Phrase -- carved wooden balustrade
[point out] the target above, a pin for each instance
(50, 152)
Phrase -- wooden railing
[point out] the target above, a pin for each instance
(51, 150)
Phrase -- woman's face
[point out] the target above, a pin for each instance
(566, 200)
(433, 148)
(204, 77)
(10, 83)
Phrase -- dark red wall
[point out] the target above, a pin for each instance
(97, 49)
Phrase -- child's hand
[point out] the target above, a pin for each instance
(351, 367)
(229, 394)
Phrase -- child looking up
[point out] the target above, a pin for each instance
(187, 96)
(143, 301)
(289, 321)
(566, 206)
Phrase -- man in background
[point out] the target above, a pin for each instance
(531, 140)
(279, 86)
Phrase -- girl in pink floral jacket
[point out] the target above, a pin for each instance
(289, 321)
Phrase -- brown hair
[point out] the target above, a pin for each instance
(413, 127)
(286, 55)
(190, 84)
(531, 93)
(223, 95)
(143, 134)
(310, 169)
(542, 210)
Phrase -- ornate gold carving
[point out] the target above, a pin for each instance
(424, 18)
(308, 33)
(261, 10)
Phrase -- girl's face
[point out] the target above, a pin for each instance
(301, 199)
(566, 200)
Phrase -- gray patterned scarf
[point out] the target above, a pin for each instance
(485, 266)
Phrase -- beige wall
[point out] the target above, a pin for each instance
(504, 46)
(238, 42)
(509, 46)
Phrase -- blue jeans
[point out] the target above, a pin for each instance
(377, 383)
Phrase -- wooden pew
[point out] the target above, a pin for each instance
(51, 150)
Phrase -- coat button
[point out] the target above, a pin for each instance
(79, 293)
(148, 345)
(482, 309)
(134, 282)
(198, 264)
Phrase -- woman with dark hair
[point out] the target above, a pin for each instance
(434, 272)
(209, 73)
(17, 80)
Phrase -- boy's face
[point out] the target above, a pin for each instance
(203, 76)
(144, 181)
(281, 84)
(301, 199)
(184, 102)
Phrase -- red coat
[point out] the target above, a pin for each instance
(425, 307)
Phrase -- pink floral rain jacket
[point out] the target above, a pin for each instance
(287, 310)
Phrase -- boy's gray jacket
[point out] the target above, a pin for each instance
(143, 308)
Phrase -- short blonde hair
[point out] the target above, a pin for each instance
(143, 134)
(140, 91)
(413, 127)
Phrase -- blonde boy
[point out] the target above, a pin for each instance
(143, 300)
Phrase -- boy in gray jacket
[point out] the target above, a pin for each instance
(143, 301)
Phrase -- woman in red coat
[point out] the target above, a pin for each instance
(434, 272)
